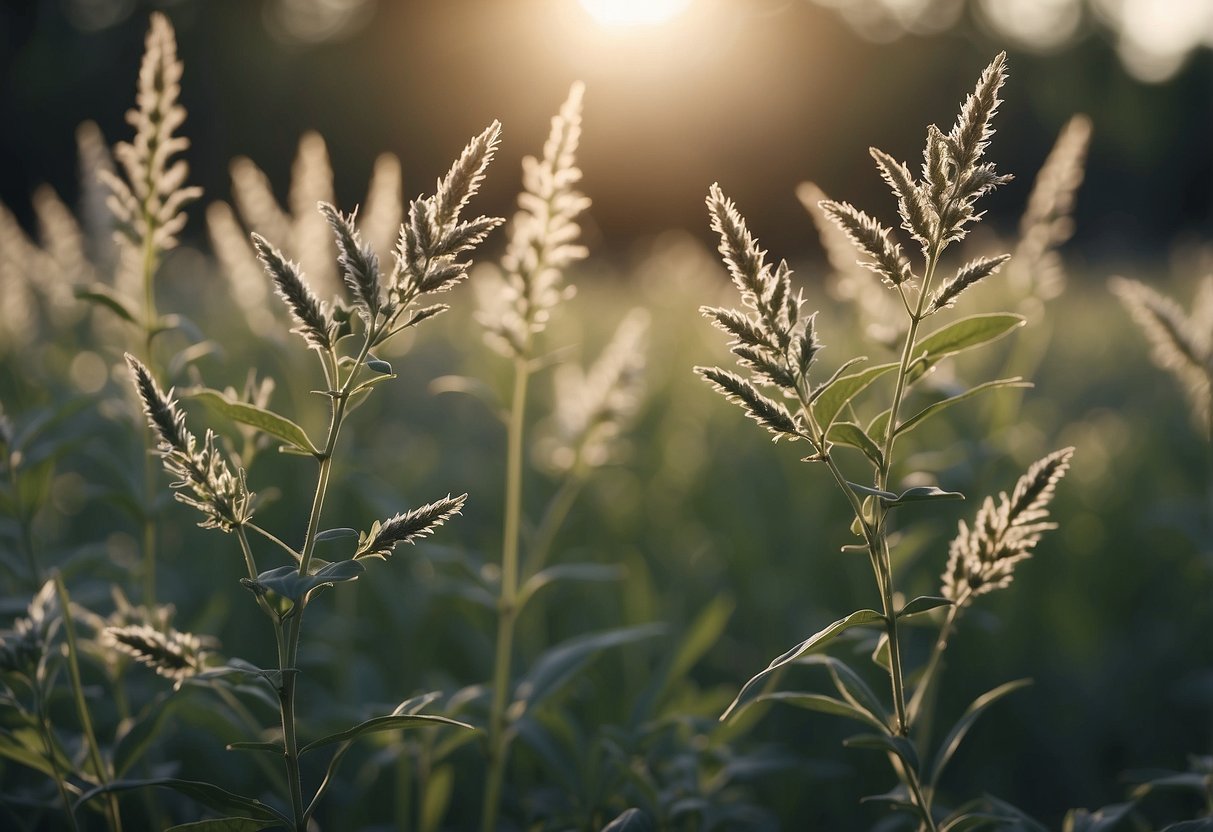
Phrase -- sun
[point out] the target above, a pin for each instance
(633, 12)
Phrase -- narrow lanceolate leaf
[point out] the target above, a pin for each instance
(393, 722)
(407, 527)
(966, 276)
(102, 295)
(921, 604)
(955, 736)
(932, 409)
(922, 494)
(224, 825)
(743, 257)
(959, 336)
(832, 397)
(260, 418)
(751, 689)
(310, 314)
(823, 704)
(916, 213)
(561, 663)
(220, 800)
(359, 263)
(852, 435)
(771, 414)
(872, 240)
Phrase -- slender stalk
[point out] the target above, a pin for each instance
(86, 723)
(933, 663)
(553, 518)
(288, 638)
(149, 465)
(45, 731)
(507, 611)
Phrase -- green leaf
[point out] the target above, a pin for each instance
(275, 748)
(823, 704)
(364, 386)
(813, 642)
(930, 410)
(832, 397)
(958, 336)
(288, 583)
(1202, 825)
(558, 665)
(263, 420)
(24, 746)
(921, 604)
(869, 491)
(569, 572)
(922, 494)
(880, 655)
(102, 295)
(952, 741)
(224, 825)
(392, 722)
(851, 434)
(851, 686)
(336, 534)
(381, 367)
(900, 746)
(220, 800)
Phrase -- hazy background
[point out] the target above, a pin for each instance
(757, 94)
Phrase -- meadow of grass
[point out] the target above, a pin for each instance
(691, 552)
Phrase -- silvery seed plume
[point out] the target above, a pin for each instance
(313, 321)
(1048, 221)
(879, 312)
(433, 236)
(171, 653)
(204, 478)
(148, 203)
(358, 261)
(592, 408)
(298, 231)
(771, 339)
(94, 156)
(543, 239)
(407, 527)
(1180, 343)
(983, 558)
(23, 647)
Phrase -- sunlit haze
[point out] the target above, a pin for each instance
(633, 12)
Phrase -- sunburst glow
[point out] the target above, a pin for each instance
(633, 12)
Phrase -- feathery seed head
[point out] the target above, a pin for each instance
(204, 478)
(1180, 343)
(983, 558)
(172, 654)
(407, 527)
(148, 203)
(543, 239)
(359, 263)
(312, 317)
(593, 408)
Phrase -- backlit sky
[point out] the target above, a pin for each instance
(760, 95)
